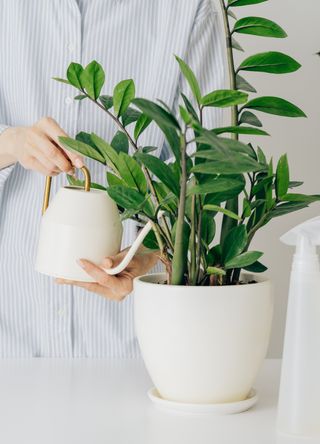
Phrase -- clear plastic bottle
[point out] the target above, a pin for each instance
(299, 398)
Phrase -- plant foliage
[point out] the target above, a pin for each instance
(223, 176)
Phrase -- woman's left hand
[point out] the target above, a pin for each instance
(119, 286)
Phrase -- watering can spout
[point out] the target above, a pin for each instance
(133, 249)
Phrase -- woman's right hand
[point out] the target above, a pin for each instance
(37, 148)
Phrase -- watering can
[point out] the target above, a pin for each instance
(80, 222)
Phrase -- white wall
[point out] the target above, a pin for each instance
(298, 137)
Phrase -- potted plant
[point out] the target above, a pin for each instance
(203, 327)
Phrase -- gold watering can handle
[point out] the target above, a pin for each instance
(46, 197)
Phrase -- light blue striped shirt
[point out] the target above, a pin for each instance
(38, 39)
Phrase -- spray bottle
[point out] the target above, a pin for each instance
(299, 400)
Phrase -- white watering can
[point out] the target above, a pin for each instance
(80, 223)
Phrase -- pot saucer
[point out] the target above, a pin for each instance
(228, 408)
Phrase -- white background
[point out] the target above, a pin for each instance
(297, 137)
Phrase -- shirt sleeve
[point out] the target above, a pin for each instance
(206, 57)
(4, 172)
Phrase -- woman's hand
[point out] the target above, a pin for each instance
(119, 286)
(37, 148)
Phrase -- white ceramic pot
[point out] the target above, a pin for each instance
(202, 344)
(77, 224)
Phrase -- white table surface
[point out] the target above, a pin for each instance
(104, 401)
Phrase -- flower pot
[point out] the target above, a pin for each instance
(202, 344)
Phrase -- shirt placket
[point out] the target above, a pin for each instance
(62, 324)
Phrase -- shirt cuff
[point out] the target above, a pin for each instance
(4, 172)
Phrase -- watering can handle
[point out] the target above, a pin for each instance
(46, 197)
(133, 249)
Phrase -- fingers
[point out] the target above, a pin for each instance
(94, 287)
(50, 155)
(42, 168)
(54, 131)
(114, 261)
(99, 275)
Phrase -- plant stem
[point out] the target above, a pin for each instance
(192, 274)
(178, 256)
(232, 204)
(231, 66)
(199, 249)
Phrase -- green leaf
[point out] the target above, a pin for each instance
(292, 197)
(208, 228)
(107, 101)
(241, 130)
(228, 156)
(218, 209)
(236, 45)
(272, 62)
(127, 214)
(80, 183)
(240, 164)
(131, 172)
(234, 243)
(243, 260)
(191, 79)
(261, 156)
(113, 180)
(261, 185)
(109, 153)
(74, 72)
(222, 145)
(145, 149)
(127, 197)
(82, 148)
(275, 105)
(234, 3)
(250, 118)
(287, 208)
(218, 184)
(130, 116)
(150, 241)
(246, 212)
(256, 267)
(161, 170)
(244, 85)
(142, 123)
(232, 14)
(282, 177)
(59, 79)
(215, 270)
(295, 184)
(120, 142)
(86, 138)
(166, 122)
(224, 97)
(190, 107)
(185, 116)
(167, 199)
(92, 79)
(259, 26)
(157, 113)
(80, 97)
(123, 94)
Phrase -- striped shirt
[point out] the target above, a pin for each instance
(38, 39)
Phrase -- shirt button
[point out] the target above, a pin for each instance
(70, 47)
(68, 100)
(61, 312)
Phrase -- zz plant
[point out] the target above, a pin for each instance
(183, 196)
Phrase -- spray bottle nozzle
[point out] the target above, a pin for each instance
(309, 231)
